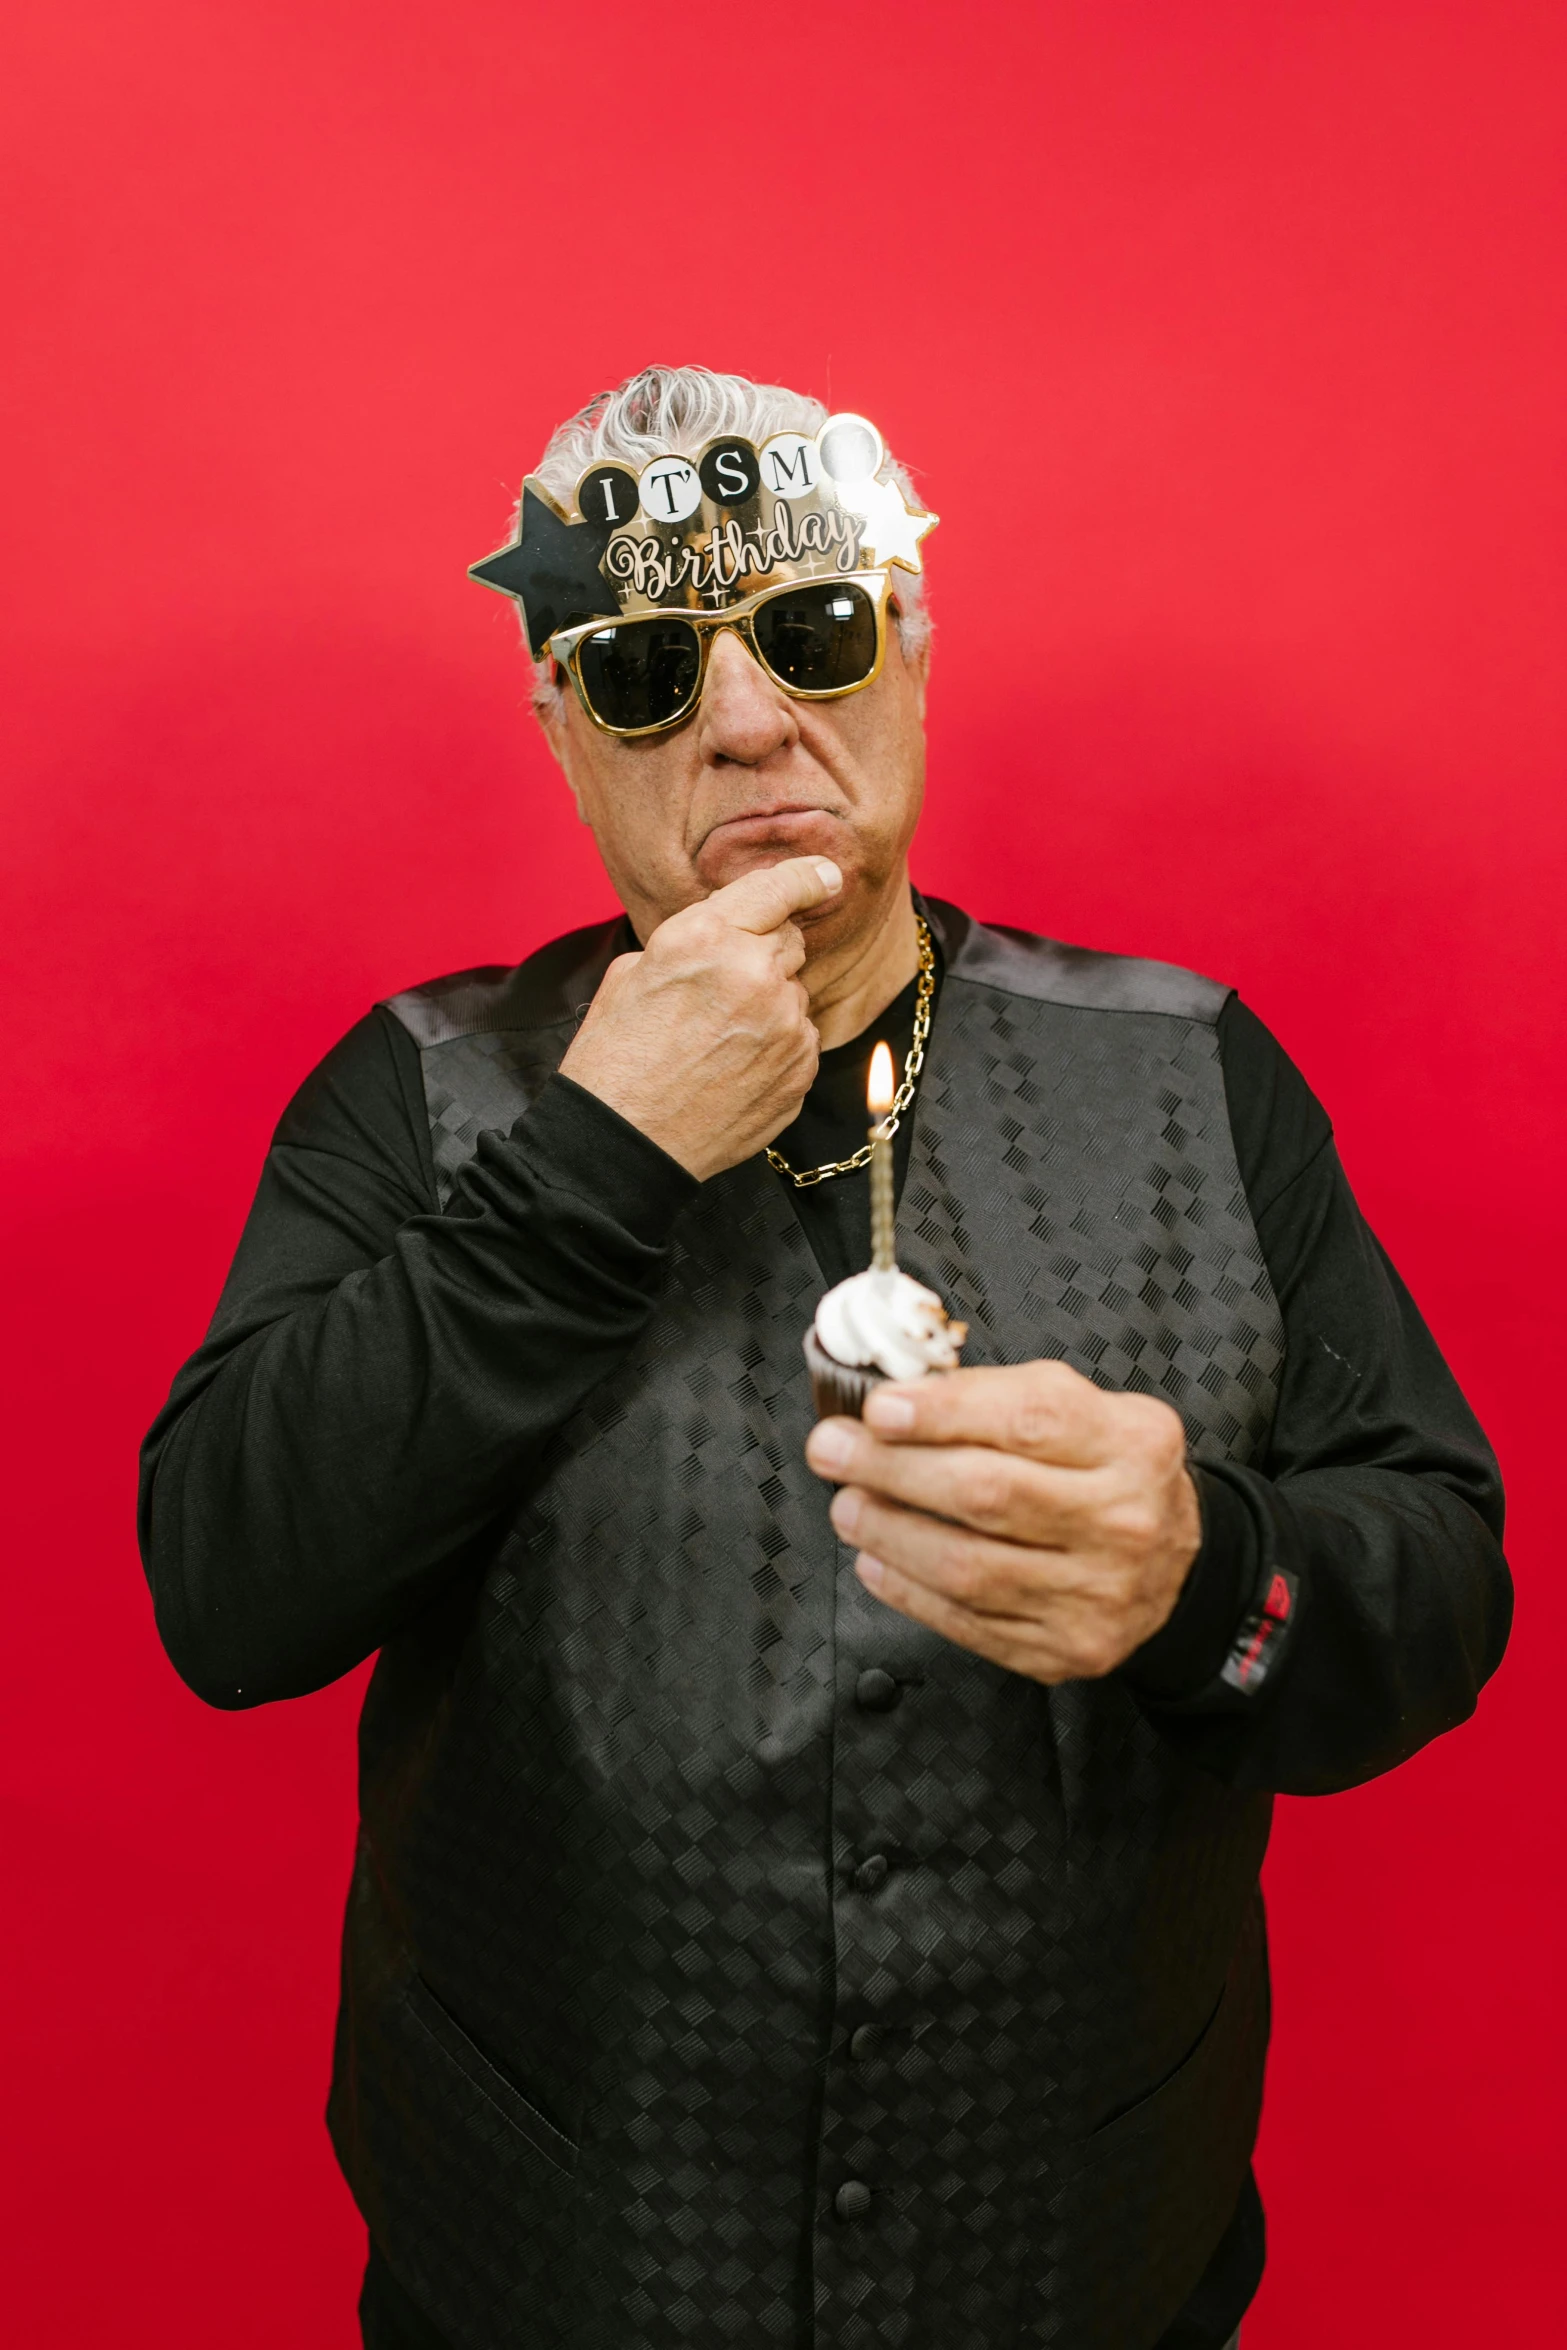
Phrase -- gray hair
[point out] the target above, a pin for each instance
(670, 412)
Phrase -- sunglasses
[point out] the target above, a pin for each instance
(815, 638)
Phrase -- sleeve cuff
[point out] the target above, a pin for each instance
(580, 1146)
(1190, 1650)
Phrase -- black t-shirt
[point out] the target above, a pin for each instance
(832, 1124)
(299, 1502)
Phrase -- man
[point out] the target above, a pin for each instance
(782, 1916)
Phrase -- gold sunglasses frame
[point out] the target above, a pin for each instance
(566, 643)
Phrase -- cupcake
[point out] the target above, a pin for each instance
(877, 1325)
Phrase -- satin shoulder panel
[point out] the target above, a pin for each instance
(1024, 964)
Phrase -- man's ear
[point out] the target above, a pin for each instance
(916, 664)
(920, 666)
(551, 707)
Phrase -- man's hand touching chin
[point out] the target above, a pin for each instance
(1023, 1513)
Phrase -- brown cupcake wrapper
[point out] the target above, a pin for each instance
(836, 1387)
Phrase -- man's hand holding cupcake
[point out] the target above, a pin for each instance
(1022, 1512)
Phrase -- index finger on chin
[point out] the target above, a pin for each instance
(1045, 1411)
(773, 894)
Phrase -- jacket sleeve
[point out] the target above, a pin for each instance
(379, 1377)
(1350, 1597)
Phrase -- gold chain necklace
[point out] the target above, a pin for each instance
(803, 1177)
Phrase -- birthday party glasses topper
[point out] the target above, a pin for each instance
(728, 531)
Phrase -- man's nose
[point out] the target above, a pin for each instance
(744, 716)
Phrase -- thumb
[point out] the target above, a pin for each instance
(773, 894)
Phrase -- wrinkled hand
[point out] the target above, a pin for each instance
(1023, 1513)
(704, 1039)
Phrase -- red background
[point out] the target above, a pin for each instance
(1228, 340)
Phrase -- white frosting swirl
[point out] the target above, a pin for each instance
(888, 1320)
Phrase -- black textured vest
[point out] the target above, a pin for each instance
(666, 1929)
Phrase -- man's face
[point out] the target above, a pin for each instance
(753, 777)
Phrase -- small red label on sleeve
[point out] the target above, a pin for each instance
(1251, 1659)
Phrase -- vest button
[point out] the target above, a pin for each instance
(870, 1872)
(864, 2043)
(877, 1691)
(853, 2199)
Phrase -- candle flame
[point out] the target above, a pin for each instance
(882, 1090)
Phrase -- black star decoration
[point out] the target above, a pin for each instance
(552, 568)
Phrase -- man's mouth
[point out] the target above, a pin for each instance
(782, 820)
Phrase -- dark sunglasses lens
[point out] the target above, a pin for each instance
(819, 639)
(641, 673)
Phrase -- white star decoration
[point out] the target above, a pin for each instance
(892, 530)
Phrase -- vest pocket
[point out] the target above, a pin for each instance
(1165, 2097)
(1142, 2201)
(439, 2025)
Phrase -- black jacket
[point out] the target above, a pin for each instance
(669, 1947)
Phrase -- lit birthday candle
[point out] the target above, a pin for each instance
(879, 1324)
(880, 1093)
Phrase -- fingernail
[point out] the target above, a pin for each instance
(830, 1445)
(888, 1411)
(845, 1511)
(870, 1571)
(828, 874)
